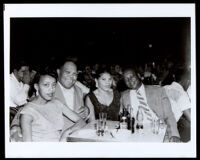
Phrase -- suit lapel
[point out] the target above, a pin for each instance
(59, 94)
(152, 101)
(150, 98)
(76, 99)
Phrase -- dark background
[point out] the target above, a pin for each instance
(101, 40)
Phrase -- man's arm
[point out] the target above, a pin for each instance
(88, 103)
(83, 88)
(19, 97)
(169, 117)
(83, 112)
(187, 114)
(73, 116)
(79, 124)
(15, 127)
(121, 103)
(16, 120)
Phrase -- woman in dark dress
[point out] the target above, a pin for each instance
(103, 98)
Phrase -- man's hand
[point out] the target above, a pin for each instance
(83, 112)
(174, 139)
(15, 134)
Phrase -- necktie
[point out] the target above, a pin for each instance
(143, 105)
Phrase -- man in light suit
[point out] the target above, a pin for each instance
(69, 93)
(156, 101)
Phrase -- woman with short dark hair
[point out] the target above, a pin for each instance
(103, 98)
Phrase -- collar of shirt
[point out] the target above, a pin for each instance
(177, 86)
(141, 90)
(64, 90)
(68, 95)
(14, 78)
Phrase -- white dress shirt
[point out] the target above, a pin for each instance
(189, 92)
(179, 99)
(69, 96)
(135, 103)
(18, 92)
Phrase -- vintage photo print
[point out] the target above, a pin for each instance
(100, 80)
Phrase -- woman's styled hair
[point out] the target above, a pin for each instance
(98, 74)
(48, 70)
(102, 70)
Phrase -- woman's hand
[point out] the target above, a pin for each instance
(26, 126)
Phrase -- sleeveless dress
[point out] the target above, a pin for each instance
(47, 120)
(112, 110)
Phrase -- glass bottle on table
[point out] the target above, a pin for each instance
(139, 118)
(123, 122)
(132, 121)
(128, 116)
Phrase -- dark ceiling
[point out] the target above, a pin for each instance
(101, 40)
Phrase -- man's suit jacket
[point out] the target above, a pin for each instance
(159, 103)
(78, 102)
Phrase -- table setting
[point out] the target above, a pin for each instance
(103, 130)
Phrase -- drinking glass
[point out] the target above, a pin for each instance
(98, 127)
(155, 126)
(102, 118)
(162, 124)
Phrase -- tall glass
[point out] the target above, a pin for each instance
(155, 126)
(98, 127)
(102, 119)
(162, 124)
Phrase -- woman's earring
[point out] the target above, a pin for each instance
(96, 84)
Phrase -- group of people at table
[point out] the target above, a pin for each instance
(50, 104)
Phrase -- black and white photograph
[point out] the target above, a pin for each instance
(99, 80)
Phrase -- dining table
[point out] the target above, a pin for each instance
(112, 134)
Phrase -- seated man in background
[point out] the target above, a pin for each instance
(152, 100)
(20, 79)
(180, 102)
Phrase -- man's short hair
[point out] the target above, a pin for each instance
(130, 68)
(17, 64)
(61, 61)
(133, 69)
